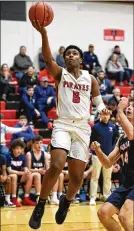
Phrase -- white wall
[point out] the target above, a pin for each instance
(74, 23)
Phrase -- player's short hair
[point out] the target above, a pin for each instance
(73, 47)
(37, 138)
(17, 143)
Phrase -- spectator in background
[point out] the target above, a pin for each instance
(105, 133)
(25, 136)
(5, 81)
(28, 105)
(122, 59)
(29, 78)
(105, 86)
(113, 103)
(42, 64)
(59, 59)
(115, 70)
(4, 130)
(45, 73)
(90, 61)
(21, 63)
(132, 93)
(16, 164)
(46, 99)
(115, 99)
(7, 181)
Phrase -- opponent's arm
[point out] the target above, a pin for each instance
(97, 99)
(52, 66)
(125, 123)
(107, 161)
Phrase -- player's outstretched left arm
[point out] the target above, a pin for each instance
(97, 99)
(125, 123)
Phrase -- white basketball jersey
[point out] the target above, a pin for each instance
(73, 96)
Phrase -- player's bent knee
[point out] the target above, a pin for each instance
(102, 213)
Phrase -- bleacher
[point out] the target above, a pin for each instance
(10, 111)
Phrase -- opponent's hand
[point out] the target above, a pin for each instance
(123, 103)
(94, 146)
(38, 27)
(105, 111)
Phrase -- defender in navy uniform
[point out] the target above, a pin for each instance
(121, 201)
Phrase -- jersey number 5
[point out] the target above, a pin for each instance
(76, 97)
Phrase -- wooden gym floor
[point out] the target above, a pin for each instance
(81, 217)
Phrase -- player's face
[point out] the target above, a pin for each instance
(130, 111)
(38, 145)
(72, 58)
(18, 150)
(30, 92)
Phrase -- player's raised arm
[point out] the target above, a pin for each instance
(107, 161)
(97, 99)
(52, 66)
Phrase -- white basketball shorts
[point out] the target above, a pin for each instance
(74, 136)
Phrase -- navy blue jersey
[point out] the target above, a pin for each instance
(2, 162)
(126, 148)
(37, 163)
(16, 163)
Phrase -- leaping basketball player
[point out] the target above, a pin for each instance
(71, 132)
(121, 201)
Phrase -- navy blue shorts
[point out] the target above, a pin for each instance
(120, 195)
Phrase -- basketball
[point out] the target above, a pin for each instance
(41, 12)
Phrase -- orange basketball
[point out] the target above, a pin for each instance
(41, 12)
